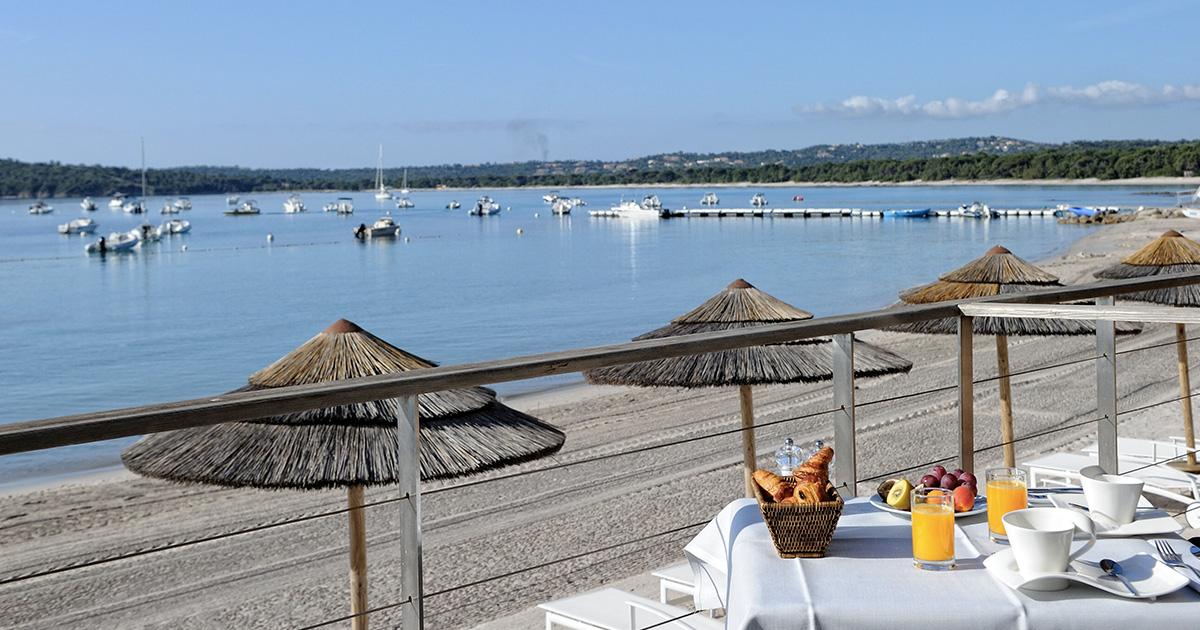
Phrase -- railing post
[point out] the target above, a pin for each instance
(409, 430)
(966, 393)
(845, 462)
(1106, 390)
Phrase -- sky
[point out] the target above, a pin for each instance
(321, 84)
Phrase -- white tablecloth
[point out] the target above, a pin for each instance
(867, 581)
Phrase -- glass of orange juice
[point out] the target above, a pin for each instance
(932, 528)
(1006, 492)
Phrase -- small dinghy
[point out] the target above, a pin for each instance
(175, 226)
(907, 213)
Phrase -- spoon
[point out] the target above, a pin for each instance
(1113, 568)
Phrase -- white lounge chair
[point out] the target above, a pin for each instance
(614, 609)
(675, 579)
(1162, 480)
(1149, 450)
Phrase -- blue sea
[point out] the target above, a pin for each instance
(195, 314)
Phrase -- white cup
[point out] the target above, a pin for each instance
(1040, 539)
(1112, 496)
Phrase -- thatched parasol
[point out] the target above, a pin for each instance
(462, 431)
(1170, 253)
(997, 272)
(740, 305)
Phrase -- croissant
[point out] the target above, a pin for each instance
(809, 492)
(816, 469)
(773, 484)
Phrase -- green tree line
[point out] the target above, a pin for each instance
(1076, 161)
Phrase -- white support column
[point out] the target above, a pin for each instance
(408, 428)
(966, 393)
(845, 462)
(1106, 390)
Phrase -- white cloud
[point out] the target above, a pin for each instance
(1103, 94)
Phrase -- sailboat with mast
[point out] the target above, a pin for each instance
(404, 201)
(381, 191)
(146, 232)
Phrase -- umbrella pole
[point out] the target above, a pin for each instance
(749, 455)
(1006, 419)
(1185, 391)
(358, 557)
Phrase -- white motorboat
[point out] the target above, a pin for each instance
(758, 200)
(974, 211)
(113, 243)
(550, 197)
(381, 191)
(147, 233)
(293, 205)
(651, 202)
(40, 207)
(710, 199)
(169, 208)
(629, 210)
(484, 206)
(175, 226)
(453, 205)
(578, 203)
(343, 205)
(248, 206)
(561, 206)
(182, 204)
(117, 202)
(404, 202)
(134, 207)
(232, 200)
(87, 204)
(78, 226)
(384, 227)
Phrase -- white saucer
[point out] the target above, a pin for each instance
(1149, 577)
(1147, 521)
(880, 504)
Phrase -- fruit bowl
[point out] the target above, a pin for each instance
(979, 508)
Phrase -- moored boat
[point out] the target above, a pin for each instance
(293, 205)
(77, 226)
(758, 200)
(40, 207)
(404, 202)
(974, 211)
(169, 208)
(630, 210)
(453, 205)
(384, 227)
(907, 213)
(561, 206)
(484, 206)
(117, 202)
(182, 203)
(113, 243)
(343, 205)
(87, 204)
(134, 207)
(651, 202)
(175, 226)
(710, 199)
(248, 206)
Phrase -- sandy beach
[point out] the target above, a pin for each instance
(295, 575)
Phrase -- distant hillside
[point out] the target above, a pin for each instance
(961, 158)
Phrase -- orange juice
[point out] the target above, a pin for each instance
(932, 513)
(1005, 493)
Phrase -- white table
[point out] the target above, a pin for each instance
(867, 581)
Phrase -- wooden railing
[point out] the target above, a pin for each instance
(250, 405)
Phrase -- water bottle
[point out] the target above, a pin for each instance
(788, 457)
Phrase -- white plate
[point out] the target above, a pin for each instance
(1183, 548)
(880, 504)
(1149, 577)
(1147, 521)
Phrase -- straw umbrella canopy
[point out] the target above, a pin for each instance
(462, 431)
(1170, 253)
(741, 305)
(997, 272)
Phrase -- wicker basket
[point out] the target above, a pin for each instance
(804, 530)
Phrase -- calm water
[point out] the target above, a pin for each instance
(82, 333)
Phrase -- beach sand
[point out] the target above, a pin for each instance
(296, 575)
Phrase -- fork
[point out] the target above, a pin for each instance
(1171, 558)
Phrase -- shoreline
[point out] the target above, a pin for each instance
(1191, 182)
